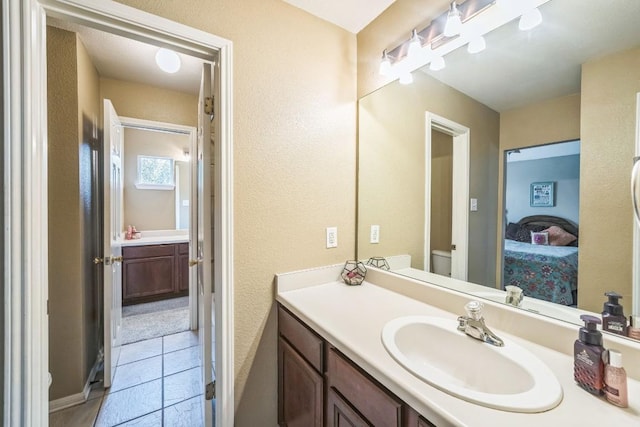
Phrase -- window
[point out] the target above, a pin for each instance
(155, 173)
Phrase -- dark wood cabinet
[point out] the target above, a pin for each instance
(300, 368)
(352, 398)
(154, 272)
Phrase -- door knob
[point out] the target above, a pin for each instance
(98, 260)
(193, 262)
(116, 259)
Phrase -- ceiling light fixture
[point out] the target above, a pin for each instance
(168, 60)
(454, 23)
(477, 44)
(530, 19)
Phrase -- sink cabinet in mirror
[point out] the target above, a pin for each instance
(509, 99)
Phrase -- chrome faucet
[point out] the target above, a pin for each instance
(473, 325)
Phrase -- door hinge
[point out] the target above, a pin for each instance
(208, 106)
(210, 391)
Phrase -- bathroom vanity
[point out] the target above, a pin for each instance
(333, 368)
(154, 268)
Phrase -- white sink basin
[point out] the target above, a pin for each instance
(509, 378)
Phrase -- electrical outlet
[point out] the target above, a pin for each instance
(332, 237)
(375, 234)
(474, 205)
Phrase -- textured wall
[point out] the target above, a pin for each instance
(294, 172)
(149, 209)
(563, 170)
(150, 103)
(66, 353)
(608, 120)
(391, 170)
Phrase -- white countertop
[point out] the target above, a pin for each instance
(156, 240)
(352, 317)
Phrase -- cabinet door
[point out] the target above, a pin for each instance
(300, 390)
(183, 273)
(145, 278)
(340, 413)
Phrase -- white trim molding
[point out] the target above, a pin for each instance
(25, 168)
(460, 193)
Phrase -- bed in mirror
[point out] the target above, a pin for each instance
(557, 224)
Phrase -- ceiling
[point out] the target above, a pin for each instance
(352, 15)
(572, 32)
(521, 67)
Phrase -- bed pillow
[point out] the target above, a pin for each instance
(524, 233)
(539, 237)
(559, 237)
(512, 230)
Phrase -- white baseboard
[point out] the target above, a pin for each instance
(78, 398)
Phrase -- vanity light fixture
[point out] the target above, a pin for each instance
(477, 44)
(454, 23)
(168, 60)
(530, 19)
(414, 46)
(406, 78)
(437, 63)
(385, 64)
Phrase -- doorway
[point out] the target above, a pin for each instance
(446, 182)
(25, 69)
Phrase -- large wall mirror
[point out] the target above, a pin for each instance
(551, 118)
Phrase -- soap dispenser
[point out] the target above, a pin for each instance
(588, 363)
(613, 318)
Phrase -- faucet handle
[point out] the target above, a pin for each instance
(474, 309)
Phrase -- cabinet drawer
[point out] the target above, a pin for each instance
(148, 251)
(303, 339)
(374, 403)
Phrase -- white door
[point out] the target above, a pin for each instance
(112, 255)
(200, 252)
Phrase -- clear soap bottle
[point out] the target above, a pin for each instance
(615, 380)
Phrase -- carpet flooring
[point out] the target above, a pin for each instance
(155, 319)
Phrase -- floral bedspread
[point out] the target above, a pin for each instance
(548, 273)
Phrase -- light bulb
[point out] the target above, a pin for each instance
(476, 45)
(530, 19)
(437, 63)
(453, 24)
(168, 60)
(385, 64)
(414, 46)
(406, 78)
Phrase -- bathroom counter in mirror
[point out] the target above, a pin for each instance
(156, 240)
(351, 318)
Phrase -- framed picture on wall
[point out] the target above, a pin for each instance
(542, 194)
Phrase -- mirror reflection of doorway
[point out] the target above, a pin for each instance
(441, 202)
(541, 199)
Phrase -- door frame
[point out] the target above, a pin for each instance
(191, 133)
(635, 282)
(460, 193)
(25, 170)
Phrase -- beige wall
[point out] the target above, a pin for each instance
(294, 163)
(72, 90)
(149, 209)
(552, 120)
(150, 103)
(609, 87)
(391, 170)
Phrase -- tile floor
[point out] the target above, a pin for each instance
(156, 383)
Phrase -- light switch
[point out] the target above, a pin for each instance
(375, 234)
(474, 205)
(332, 237)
